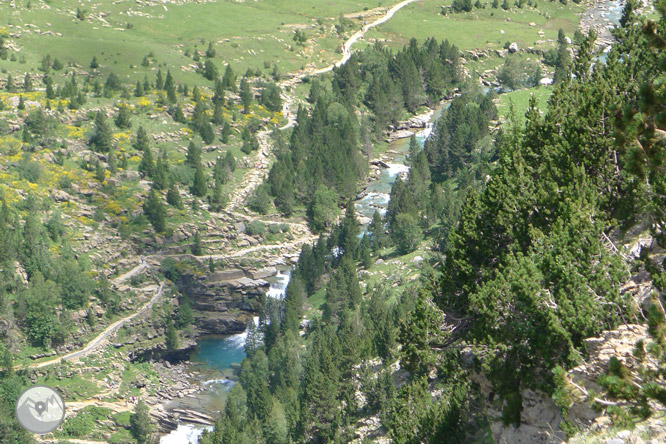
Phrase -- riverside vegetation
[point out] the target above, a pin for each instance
(100, 163)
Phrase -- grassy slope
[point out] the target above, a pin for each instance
(247, 34)
(479, 29)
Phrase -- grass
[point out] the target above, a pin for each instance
(246, 34)
(73, 388)
(521, 99)
(480, 28)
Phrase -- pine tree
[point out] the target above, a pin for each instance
(246, 95)
(562, 65)
(210, 70)
(173, 196)
(9, 84)
(142, 142)
(159, 83)
(178, 115)
(147, 164)
(229, 79)
(122, 119)
(193, 154)
(349, 231)
(170, 87)
(101, 140)
(7, 362)
(418, 333)
(207, 133)
(199, 118)
(99, 172)
(27, 83)
(155, 211)
(141, 426)
(218, 116)
(365, 252)
(197, 248)
(161, 173)
(210, 52)
(270, 97)
(377, 231)
(199, 186)
(138, 90)
(170, 336)
(226, 132)
(406, 233)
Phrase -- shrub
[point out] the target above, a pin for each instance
(256, 227)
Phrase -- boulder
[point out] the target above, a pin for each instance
(263, 273)
(513, 48)
(225, 275)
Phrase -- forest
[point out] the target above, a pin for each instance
(528, 274)
(522, 215)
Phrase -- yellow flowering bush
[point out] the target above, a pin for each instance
(113, 207)
(11, 145)
(74, 132)
(122, 137)
(143, 102)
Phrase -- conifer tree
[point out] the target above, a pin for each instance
(218, 96)
(173, 196)
(27, 83)
(170, 336)
(210, 70)
(207, 133)
(138, 90)
(161, 172)
(562, 65)
(141, 143)
(246, 95)
(349, 231)
(218, 116)
(155, 211)
(229, 79)
(147, 164)
(199, 186)
(159, 82)
(193, 154)
(9, 84)
(170, 87)
(141, 426)
(210, 52)
(101, 140)
(122, 119)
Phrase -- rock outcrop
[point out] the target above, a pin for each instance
(225, 301)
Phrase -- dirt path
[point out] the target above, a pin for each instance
(256, 175)
(102, 337)
(346, 54)
(133, 272)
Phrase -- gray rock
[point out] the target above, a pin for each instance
(513, 47)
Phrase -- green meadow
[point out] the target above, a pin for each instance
(255, 35)
(485, 28)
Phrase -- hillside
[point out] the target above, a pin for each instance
(495, 277)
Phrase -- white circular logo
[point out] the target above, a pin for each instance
(40, 409)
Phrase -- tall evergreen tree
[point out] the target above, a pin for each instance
(141, 426)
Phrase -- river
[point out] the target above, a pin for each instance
(217, 359)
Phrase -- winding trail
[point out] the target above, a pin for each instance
(256, 175)
(103, 336)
